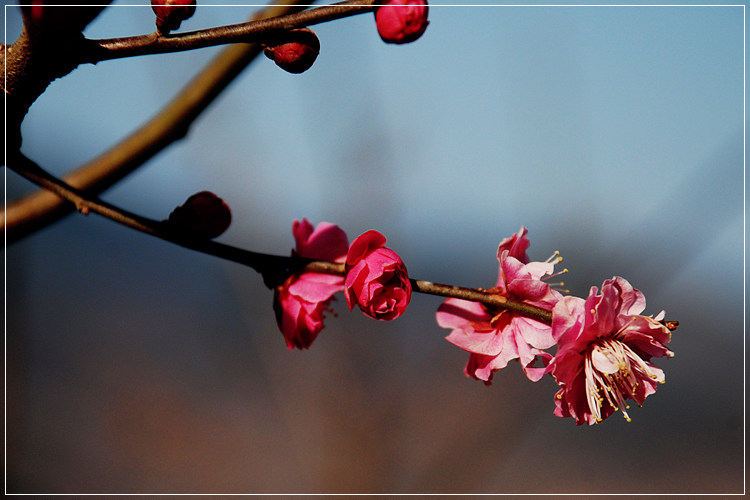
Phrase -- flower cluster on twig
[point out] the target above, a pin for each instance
(604, 343)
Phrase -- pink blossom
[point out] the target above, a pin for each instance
(376, 278)
(494, 336)
(300, 303)
(401, 21)
(604, 352)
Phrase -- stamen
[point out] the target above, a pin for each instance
(554, 258)
(614, 387)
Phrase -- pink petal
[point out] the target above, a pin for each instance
(363, 245)
(487, 343)
(516, 246)
(316, 287)
(326, 242)
(457, 313)
(533, 332)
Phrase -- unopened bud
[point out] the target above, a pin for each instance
(401, 21)
(171, 13)
(294, 51)
(203, 215)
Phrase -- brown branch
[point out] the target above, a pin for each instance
(274, 269)
(35, 211)
(256, 31)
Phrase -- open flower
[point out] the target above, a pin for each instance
(300, 303)
(604, 352)
(376, 278)
(494, 336)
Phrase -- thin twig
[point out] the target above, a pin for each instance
(261, 30)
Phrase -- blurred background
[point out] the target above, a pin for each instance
(614, 133)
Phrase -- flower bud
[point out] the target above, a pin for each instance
(171, 13)
(294, 51)
(203, 215)
(376, 278)
(401, 21)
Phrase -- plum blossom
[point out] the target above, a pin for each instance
(376, 278)
(604, 352)
(301, 301)
(494, 336)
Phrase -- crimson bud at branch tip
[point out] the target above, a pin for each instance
(171, 13)
(294, 51)
(203, 215)
(401, 21)
(376, 278)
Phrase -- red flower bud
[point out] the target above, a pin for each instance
(401, 21)
(203, 215)
(171, 13)
(376, 278)
(294, 51)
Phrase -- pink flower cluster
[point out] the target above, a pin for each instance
(604, 344)
(376, 280)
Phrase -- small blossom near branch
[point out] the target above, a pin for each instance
(302, 300)
(495, 336)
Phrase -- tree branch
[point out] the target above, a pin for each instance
(35, 211)
(262, 30)
(274, 269)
